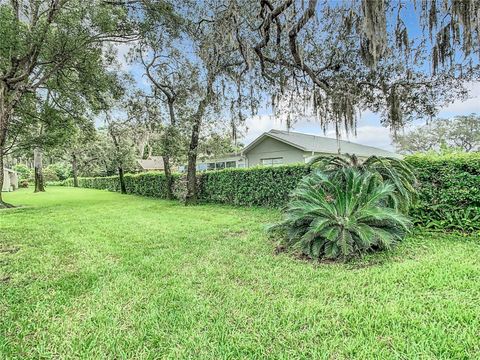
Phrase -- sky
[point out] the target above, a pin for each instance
(369, 130)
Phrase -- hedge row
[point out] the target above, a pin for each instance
(449, 187)
(449, 190)
(145, 184)
(262, 186)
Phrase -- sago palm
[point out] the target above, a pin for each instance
(331, 219)
(397, 171)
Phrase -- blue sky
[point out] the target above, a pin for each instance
(369, 130)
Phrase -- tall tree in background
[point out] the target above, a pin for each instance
(172, 77)
(458, 133)
(42, 38)
(326, 60)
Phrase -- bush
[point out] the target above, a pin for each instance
(397, 171)
(49, 174)
(261, 186)
(332, 217)
(146, 184)
(23, 171)
(449, 190)
(61, 171)
(24, 184)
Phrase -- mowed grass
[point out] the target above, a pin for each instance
(92, 274)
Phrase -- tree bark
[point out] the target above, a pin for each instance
(3, 140)
(192, 197)
(75, 170)
(123, 188)
(3, 204)
(166, 157)
(38, 165)
(168, 177)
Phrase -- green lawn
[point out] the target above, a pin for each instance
(92, 274)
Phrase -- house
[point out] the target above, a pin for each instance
(152, 163)
(10, 180)
(278, 147)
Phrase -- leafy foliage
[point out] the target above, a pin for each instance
(449, 190)
(23, 171)
(261, 186)
(397, 171)
(448, 186)
(147, 184)
(459, 133)
(328, 218)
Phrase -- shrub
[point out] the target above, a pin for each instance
(49, 174)
(260, 186)
(23, 171)
(397, 171)
(449, 190)
(24, 184)
(62, 171)
(329, 217)
(146, 184)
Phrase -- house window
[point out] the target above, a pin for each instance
(231, 164)
(272, 161)
(211, 166)
(220, 165)
(202, 167)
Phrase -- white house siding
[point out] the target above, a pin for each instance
(270, 148)
(10, 181)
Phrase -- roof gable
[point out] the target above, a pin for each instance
(319, 144)
(152, 163)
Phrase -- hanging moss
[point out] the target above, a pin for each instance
(374, 31)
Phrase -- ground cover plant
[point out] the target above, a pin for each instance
(94, 274)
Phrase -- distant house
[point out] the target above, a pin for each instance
(153, 163)
(10, 180)
(286, 147)
(278, 147)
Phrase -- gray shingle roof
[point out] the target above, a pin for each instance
(320, 144)
(152, 163)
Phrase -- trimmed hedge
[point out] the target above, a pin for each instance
(449, 188)
(260, 186)
(147, 184)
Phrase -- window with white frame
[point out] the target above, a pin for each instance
(272, 161)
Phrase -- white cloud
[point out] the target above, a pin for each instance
(259, 124)
(377, 136)
(459, 107)
(372, 135)
(369, 130)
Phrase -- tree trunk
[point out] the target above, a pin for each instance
(38, 164)
(123, 188)
(3, 140)
(3, 204)
(166, 156)
(192, 196)
(168, 176)
(75, 170)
